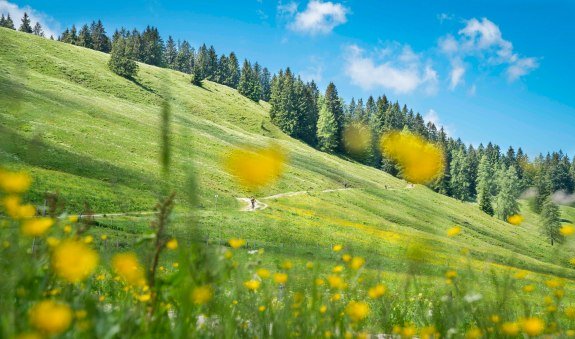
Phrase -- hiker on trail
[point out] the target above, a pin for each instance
(253, 203)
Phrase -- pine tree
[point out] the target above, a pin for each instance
(551, 222)
(170, 53)
(100, 40)
(8, 23)
(265, 83)
(485, 185)
(327, 129)
(26, 26)
(152, 47)
(37, 30)
(460, 176)
(233, 79)
(335, 107)
(2, 21)
(120, 62)
(183, 59)
(249, 85)
(508, 191)
(85, 37)
(212, 64)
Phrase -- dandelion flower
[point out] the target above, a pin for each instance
(128, 268)
(337, 248)
(357, 263)
(420, 161)
(533, 326)
(336, 282)
(73, 260)
(16, 210)
(473, 333)
(376, 292)
(35, 227)
(453, 231)
(528, 288)
(346, 258)
(287, 265)
(14, 182)
(261, 308)
(252, 285)
(357, 310)
(172, 244)
(256, 168)
(520, 275)
(515, 219)
(337, 269)
(567, 230)
(263, 273)
(510, 328)
(50, 317)
(280, 278)
(236, 243)
(451, 274)
(202, 294)
(322, 309)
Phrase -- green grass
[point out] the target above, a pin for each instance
(93, 137)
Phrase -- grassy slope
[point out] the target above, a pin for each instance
(93, 136)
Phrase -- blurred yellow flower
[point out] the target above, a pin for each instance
(202, 294)
(88, 239)
(144, 297)
(376, 292)
(357, 138)
(263, 273)
(336, 282)
(172, 244)
(453, 231)
(280, 278)
(567, 230)
(451, 274)
(128, 268)
(346, 258)
(357, 310)
(572, 261)
(319, 282)
(420, 161)
(515, 219)
(16, 210)
(51, 241)
(337, 248)
(322, 309)
(73, 260)
(256, 168)
(14, 182)
(570, 312)
(528, 288)
(473, 333)
(50, 317)
(35, 227)
(337, 269)
(236, 243)
(429, 332)
(357, 263)
(554, 283)
(287, 265)
(261, 308)
(533, 326)
(408, 331)
(520, 274)
(494, 318)
(252, 285)
(309, 265)
(510, 328)
(104, 237)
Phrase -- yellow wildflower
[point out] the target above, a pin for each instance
(346, 258)
(236, 243)
(554, 283)
(261, 308)
(494, 318)
(357, 263)
(528, 288)
(50, 317)
(319, 282)
(451, 274)
(35, 227)
(420, 161)
(567, 230)
(336, 282)
(144, 297)
(73, 260)
(280, 278)
(533, 326)
(263, 273)
(322, 309)
(356, 138)
(515, 219)
(287, 265)
(67, 229)
(453, 231)
(376, 292)
(172, 244)
(473, 333)
(337, 269)
(520, 275)
(510, 328)
(337, 248)
(104, 237)
(176, 265)
(202, 294)
(128, 268)
(14, 182)
(309, 265)
(252, 285)
(16, 210)
(88, 239)
(254, 169)
(570, 312)
(357, 310)
(52, 242)
(408, 331)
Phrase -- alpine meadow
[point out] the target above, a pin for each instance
(155, 188)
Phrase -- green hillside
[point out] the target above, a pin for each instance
(93, 137)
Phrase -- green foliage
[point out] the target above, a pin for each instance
(551, 221)
(249, 84)
(327, 129)
(26, 26)
(485, 185)
(508, 191)
(460, 176)
(120, 62)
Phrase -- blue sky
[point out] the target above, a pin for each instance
(498, 71)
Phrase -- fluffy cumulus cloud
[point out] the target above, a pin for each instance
(318, 17)
(482, 39)
(49, 25)
(396, 68)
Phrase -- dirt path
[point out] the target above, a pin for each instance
(261, 206)
(248, 208)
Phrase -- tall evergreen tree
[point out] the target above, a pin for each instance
(460, 176)
(8, 23)
(265, 83)
(327, 129)
(152, 47)
(234, 73)
(85, 37)
(249, 85)
(37, 30)
(508, 191)
(551, 222)
(335, 108)
(120, 62)
(485, 185)
(100, 40)
(26, 26)
(183, 61)
(170, 53)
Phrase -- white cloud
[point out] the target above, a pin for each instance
(49, 25)
(400, 70)
(456, 74)
(483, 39)
(318, 17)
(287, 9)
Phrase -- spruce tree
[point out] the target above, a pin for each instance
(170, 53)
(120, 62)
(26, 26)
(183, 60)
(37, 30)
(8, 23)
(2, 21)
(551, 221)
(249, 85)
(233, 72)
(100, 40)
(152, 47)
(335, 107)
(265, 82)
(508, 191)
(485, 185)
(85, 37)
(327, 129)
(460, 176)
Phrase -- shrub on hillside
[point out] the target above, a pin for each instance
(120, 63)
